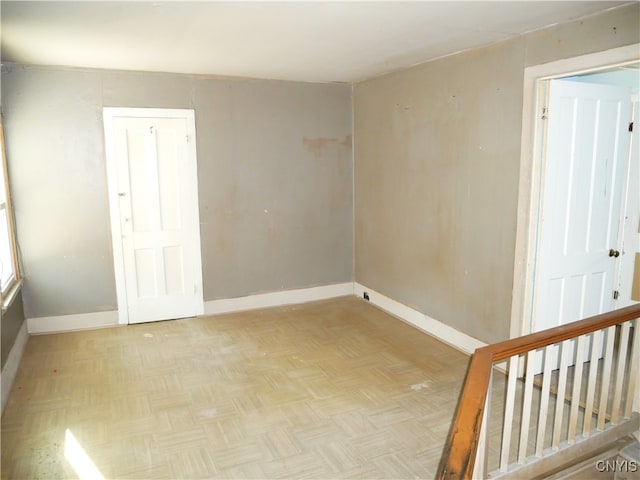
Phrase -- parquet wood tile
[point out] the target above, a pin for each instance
(331, 389)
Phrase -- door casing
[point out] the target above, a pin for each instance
(536, 79)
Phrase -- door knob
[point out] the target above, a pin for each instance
(614, 253)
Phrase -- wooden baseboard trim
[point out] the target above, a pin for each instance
(274, 299)
(433, 327)
(72, 323)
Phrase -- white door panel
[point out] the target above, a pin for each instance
(156, 200)
(584, 172)
(587, 148)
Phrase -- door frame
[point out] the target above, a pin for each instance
(109, 115)
(536, 82)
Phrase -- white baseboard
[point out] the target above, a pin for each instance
(433, 327)
(274, 299)
(441, 331)
(88, 321)
(70, 323)
(13, 361)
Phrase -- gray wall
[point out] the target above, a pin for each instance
(437, 152)
(11, 322)
(262, 145)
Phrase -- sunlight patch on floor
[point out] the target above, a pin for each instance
(79, 460)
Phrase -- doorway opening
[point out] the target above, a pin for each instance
(604, 67)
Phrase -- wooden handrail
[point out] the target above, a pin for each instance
(459, 453)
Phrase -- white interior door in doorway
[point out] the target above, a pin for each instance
(152, 170)
(587, 150)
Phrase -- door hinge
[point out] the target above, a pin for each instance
(545, 113)
(616, 294)
(631, 126)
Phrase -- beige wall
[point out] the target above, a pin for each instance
(437, 152)
(275, 178)
(436, 165)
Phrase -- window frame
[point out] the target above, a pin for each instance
(8, 292)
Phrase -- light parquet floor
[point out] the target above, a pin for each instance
(331, 389)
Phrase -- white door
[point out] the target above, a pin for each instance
(586, 159)
(152, 167)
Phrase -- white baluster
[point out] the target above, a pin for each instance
(526, 407)
(508, 413)
(633, 371)
(596, 349)
(621, 367)
(562, 385)
(577, 387)
(544, 398)
(606, 377)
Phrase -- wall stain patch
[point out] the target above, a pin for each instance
(318, 146)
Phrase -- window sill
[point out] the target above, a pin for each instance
(7, 299)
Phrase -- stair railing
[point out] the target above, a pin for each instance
(557, 424)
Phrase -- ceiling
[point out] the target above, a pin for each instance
(305, 41)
